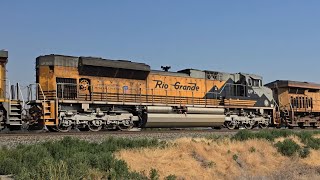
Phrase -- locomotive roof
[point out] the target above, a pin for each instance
(63, 60)
(98, 62)
(169, 73)
(123, 64)
(296, 84)
(3, 54)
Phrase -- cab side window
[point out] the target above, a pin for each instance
(250, 82)
(254, 82)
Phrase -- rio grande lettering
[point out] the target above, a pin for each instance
(177, 86)
(161, 85)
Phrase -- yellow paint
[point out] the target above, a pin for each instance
(156, 85)
(3, 62)
(285, 100)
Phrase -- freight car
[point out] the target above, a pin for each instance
(95, 93)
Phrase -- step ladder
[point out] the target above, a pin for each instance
(46, 105)
(48, 112)
(14, 114)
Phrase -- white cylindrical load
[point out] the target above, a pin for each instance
(196, 110)
(159, 109)
(157, 120)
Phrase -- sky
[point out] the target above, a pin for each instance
(272, 38)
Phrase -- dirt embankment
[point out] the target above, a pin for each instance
(201, 158)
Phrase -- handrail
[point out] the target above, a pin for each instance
(44, 97)
(9, 90)
(37, 86)
(119, 93)
(21, 94)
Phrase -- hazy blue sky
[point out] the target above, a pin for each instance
(278, 39)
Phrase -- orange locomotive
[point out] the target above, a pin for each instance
(298, 102)
(95, 93)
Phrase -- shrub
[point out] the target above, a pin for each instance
(235, 157)
(269, 135)
(154, 174)
(171, 177)
(214, 137)
(252, 150)
(304, 152)
(305, 135)
(308, 140)
(287, 147)
(243, 135)
(211, 164)
(71, 159)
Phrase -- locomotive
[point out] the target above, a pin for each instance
(90, 93)
(298, 102)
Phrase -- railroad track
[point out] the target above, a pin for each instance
(135, 132)
(43, 133)
(13, 139)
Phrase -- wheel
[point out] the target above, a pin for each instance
(52, 128)
(94, 128)
(65, 125)
(231, 124)
(315, 125)
(95, 125)
(248, 126)
(263, 126)
(25, 126)
(124, 128)
(63, 128)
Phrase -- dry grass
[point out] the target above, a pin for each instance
(223, 159)
(317, 136)
(313, 159)
(206, 159)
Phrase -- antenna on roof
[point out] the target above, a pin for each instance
(166, 68)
